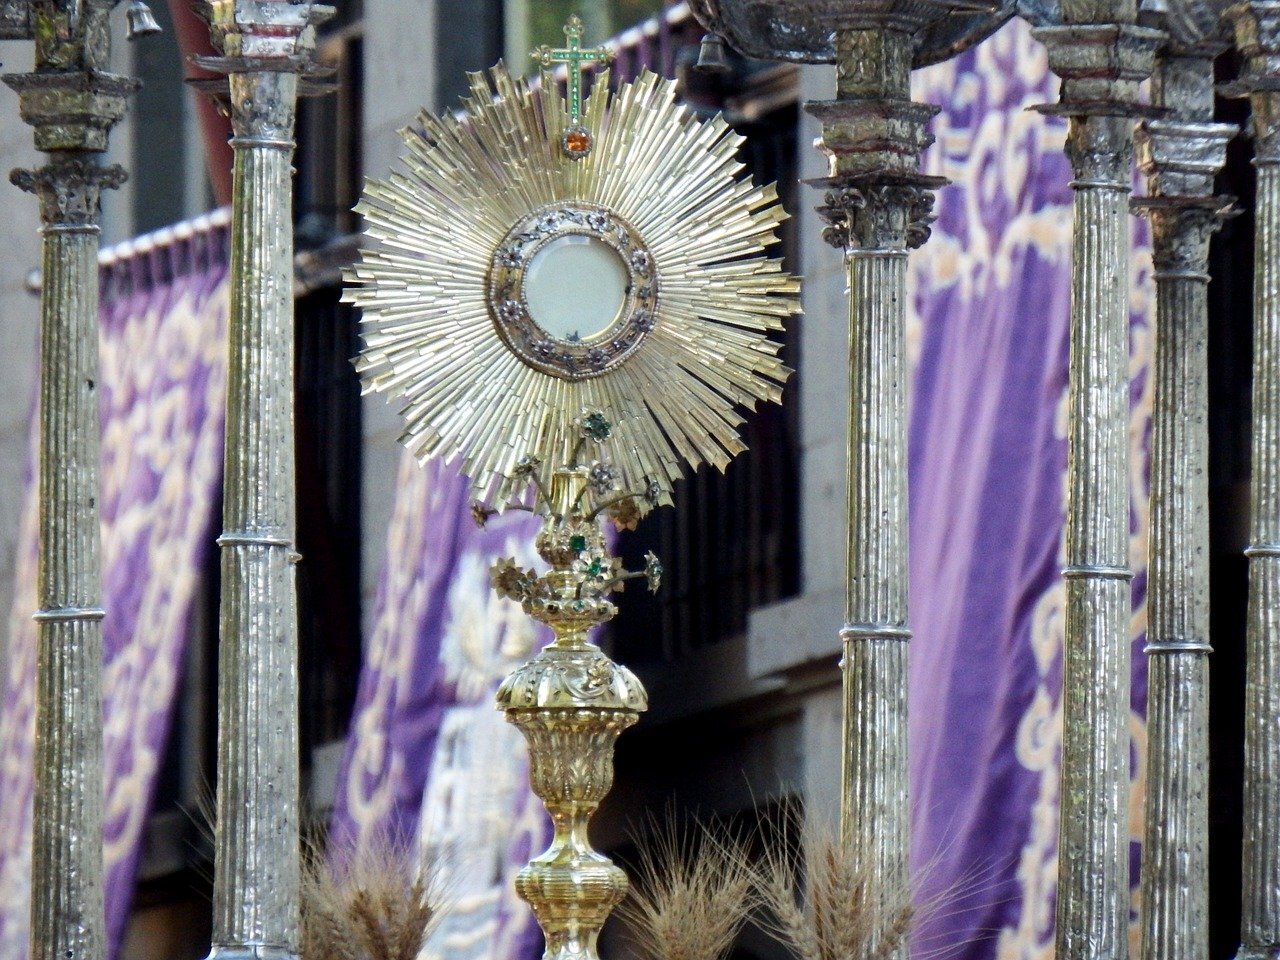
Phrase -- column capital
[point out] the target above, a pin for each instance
(1181, 229)
(1257, 34)
(873, 135)
(886, 216)
(70, 189)
(263, 108)
(71, 110)
(1182, 153)
(1256, 26)
(263, 36)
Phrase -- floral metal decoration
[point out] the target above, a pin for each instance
(583, 572)
(571, 701)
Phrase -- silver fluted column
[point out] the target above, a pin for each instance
(256, 851)
(1180, 154)
(72, 54)
(256, 854)
(1101, 65)
(875, 813)
(877, 205)
(1257, 31)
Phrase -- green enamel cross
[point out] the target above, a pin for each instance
(576, 58)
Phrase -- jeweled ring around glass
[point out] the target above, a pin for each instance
(573, 290)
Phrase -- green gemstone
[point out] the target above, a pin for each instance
(577, 544)
(596, 568)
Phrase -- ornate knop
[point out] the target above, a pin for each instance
(573, 595)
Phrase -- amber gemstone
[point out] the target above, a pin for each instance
(577, 141)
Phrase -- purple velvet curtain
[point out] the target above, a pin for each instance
(988, 459)
(163, 379)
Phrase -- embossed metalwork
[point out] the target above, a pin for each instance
(571, 701)
(693, 349)
(509, 307)
(1257, 35)
(265, 46)
(807, 31)
(877, 206)
(1180, 153)
(72, 102)
(1101, 65)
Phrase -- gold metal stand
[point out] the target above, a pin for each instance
(571, 701)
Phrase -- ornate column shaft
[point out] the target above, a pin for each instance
(877, 206)
(1257, 31)
(256, 854)
(1101, 65)
(1180, 154)
(72, 102)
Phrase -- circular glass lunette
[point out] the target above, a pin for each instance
(575, 287)
(572, 290)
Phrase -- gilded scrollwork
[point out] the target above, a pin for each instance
(573, 678)
(571, 752)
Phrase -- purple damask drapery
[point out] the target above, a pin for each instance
(991, 298)
(163, 381)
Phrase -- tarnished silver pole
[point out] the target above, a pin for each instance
(1180, 153)
(1257, 32)
(72, 101)
(265, 44)
(1101, 65)
(877, 205)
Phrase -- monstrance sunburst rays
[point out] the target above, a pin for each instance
(659, 186)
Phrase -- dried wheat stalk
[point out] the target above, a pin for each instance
(377, 904)
(820, 901)
(691, 896)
